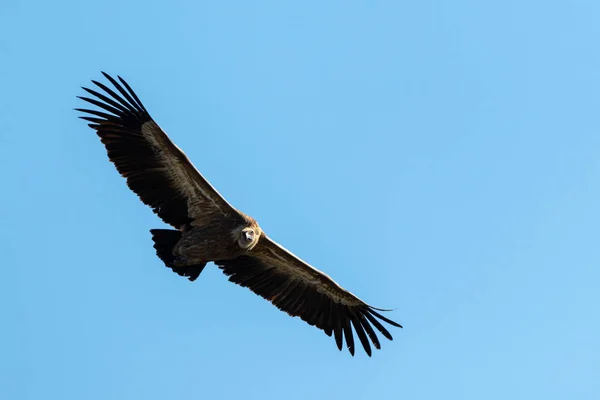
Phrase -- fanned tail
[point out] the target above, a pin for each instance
(164, 242)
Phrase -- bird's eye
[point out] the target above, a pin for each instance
(249, 235)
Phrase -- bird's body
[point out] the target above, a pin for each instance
(208, 229)
(213, 240)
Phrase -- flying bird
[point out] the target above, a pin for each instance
(209, 229)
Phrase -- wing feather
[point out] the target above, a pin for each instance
(300, 290)
(155, 168)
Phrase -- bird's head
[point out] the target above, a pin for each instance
(248, 237)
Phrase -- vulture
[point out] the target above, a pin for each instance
(206, 228)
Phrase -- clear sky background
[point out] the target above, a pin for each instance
(441, 158)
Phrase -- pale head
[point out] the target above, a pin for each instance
(247, 235)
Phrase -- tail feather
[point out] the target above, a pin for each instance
(164, 242)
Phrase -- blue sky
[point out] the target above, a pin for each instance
(438, 158)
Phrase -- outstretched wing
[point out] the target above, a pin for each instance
(155, 168)
(300, 290)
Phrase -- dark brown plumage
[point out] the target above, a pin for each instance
(209, 229)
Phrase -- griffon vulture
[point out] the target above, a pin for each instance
(208, 228)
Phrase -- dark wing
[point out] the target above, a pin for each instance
(155, 168)
(302, 291)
